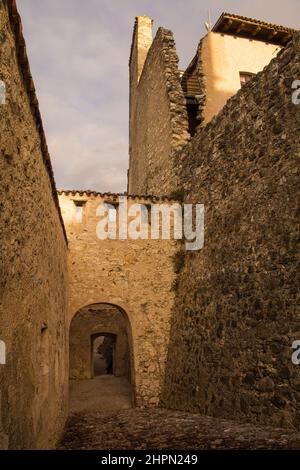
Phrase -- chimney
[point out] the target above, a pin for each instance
(141, 42)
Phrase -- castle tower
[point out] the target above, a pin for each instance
(141, 43)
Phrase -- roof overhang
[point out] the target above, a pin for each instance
(250, 28)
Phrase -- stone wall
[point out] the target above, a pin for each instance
(33, 265)
(158, 119)
(237, 303)
(202, 80)
(135, 275)
(93, 320)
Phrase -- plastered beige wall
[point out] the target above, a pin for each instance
(223, 58)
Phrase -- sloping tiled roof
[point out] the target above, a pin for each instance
(16, 25)
(89, 193)
(250, 28)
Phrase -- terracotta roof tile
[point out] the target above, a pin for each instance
(88, 193)
(250, 28)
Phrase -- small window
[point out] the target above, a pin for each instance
(2, 92)
(79, 205)
(245, 77)
(146, 214)
(112, 212)
(2, 353)
(112, 215)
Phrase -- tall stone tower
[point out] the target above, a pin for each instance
(141, 43)
(158, 117)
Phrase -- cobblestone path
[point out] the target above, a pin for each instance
(136, 429)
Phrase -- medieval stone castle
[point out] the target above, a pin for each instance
(207, 331)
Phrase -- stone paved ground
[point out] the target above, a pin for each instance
(136, 429)
(103, 393)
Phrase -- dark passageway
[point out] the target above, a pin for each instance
(103, 352)
(100, 360)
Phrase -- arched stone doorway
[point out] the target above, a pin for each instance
(101, 359)
(136, 275)
(103, 354)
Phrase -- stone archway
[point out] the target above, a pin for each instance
(89, 326)
(104, 359)
(138, 276)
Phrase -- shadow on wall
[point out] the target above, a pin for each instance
(235, 317)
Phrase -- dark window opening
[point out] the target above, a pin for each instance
(192, 88)
(146, 215)
(79, 208)
(245, 77)
(192, 111)
(113, 211)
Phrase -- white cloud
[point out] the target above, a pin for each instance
(79, 58)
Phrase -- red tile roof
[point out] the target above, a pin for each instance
(89, 193)
(250, 28)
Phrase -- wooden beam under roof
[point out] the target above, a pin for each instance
(240, 28)
(253, 29)
(256, 31)
(228, 25)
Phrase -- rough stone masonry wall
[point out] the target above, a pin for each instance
(33, 269)
(158, 120)
(237, 308)
(135, 275)
(202, 82)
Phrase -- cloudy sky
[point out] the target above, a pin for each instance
(79, 50)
